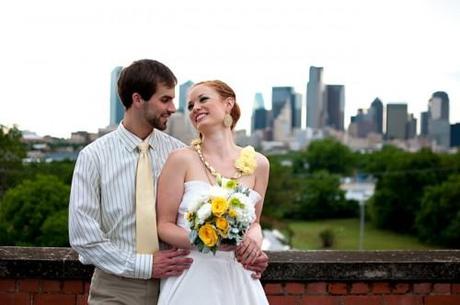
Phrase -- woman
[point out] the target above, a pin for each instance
(188, 172)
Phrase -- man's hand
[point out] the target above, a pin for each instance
(258, 266)
(170, 262)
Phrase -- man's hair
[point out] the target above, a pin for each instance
(143, 77)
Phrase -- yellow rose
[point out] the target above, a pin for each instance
(208, 235)
(219, 206)
(232, 213)
(222, 224)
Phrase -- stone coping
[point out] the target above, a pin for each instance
(432, 265)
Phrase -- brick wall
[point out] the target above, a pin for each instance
(362, 293)
(54, 276)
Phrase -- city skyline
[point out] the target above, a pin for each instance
(56, 60)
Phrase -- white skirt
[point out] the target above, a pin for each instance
(212, 279)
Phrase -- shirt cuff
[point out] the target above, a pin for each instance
(143, 266)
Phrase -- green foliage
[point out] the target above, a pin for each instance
(438, 220)
(327, 237)
(32, 212)
(327, 154)
(400, 188)
(282, 191)
(12, 151)
(63, 170)
(321, 197)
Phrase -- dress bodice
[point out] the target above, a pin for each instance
(193, 190)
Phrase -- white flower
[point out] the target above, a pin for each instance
(217, 191)
(197, 202)
(246, 215)
(203, 212)
(241, 198)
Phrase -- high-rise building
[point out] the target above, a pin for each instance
(361, 125)
(282, 96)
(455, 135)
(439, 106)
(335, 105)
(282, 124)
(183, 90)
(315, 99)
(117, 109)
(424, 118)
(438, 122)
(411, 127)
(259, 113)
(297, 115)
(396, 121)
(376, 112)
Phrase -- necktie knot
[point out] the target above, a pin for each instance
(143, 147)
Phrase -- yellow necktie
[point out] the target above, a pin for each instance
(146, 221)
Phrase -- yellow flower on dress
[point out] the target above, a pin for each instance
(208, 235)
(219, 206)
(246, 163)
(222, 224)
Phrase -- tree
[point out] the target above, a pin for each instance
(321, 197)
(12, 151)
(33, 211)
(282, 191)
(63, 170)
(438, 220)
(327, 154)
(400, 188)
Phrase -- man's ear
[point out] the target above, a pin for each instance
(137, 99)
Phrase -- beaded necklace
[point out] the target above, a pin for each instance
(196, 144)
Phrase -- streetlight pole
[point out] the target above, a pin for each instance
(361, 222)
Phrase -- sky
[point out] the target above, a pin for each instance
(56, 56)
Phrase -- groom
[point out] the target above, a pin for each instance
(102, 217)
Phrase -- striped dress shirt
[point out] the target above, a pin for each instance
(102, 220)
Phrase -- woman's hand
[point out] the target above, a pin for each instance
(247, 251)
(227, 247)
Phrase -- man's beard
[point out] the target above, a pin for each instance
(156, 123)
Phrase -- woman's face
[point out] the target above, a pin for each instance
(206, 107)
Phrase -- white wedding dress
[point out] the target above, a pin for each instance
(212, 279)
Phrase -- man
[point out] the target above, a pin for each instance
(102, 211)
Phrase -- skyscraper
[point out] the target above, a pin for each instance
(438, 122)
(183, 90)
(315, 96)
(335, 105)
(376, 112)
(282, 96)
(424, 118)
(411, 127)
(259, 113)
(455, 135)
(117, 109)
(396, 121)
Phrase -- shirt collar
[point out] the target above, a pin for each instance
(130, 140)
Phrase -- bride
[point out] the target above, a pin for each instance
(188, 172)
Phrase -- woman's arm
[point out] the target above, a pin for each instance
(169, 196)
(249, 249)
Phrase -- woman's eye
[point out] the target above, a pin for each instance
(190, 107)
(203, 99)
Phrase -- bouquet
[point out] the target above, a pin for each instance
(220, 216)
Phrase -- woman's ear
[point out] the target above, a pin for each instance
(229, 103)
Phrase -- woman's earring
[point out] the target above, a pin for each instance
(228, 120)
